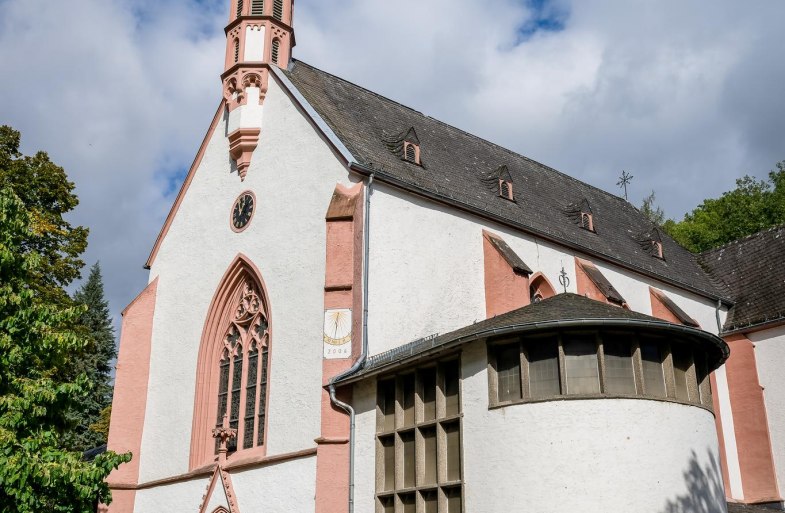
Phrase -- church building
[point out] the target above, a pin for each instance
(356, 308)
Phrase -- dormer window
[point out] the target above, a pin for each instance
(411, 152)
(505, 189)
(657, 249)
(581, 214)
(587, 221)
(651, 242)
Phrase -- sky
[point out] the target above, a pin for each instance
(685, 96)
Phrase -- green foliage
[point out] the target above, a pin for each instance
(37, 343)
(653, 212)
(45, 191)
(752, 206)
(96, 326)
(101, 426)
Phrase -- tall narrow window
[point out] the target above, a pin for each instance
(239, 8)
(257, 7)
(278, 10)
(682, 363)
(275, 51)
(581, 366)
(236, 50)
(653, 380)
(508, 370)
(423, 449)
(544, 368)
(619, 374)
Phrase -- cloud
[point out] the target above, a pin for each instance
(685, 96)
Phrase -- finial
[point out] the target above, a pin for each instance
(624, 181)
(224, 434)
(564, 279)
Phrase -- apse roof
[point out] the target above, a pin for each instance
(456, 164)
(560, 311)
(752, 269)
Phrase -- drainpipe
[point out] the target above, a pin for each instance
(364, 354)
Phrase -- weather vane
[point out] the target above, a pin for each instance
(564, 279)
(624, 181)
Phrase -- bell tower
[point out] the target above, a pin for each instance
(259, 35)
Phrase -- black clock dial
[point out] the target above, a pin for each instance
(242, 211)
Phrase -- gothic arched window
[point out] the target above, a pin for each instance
(233, 366)
(239, 384)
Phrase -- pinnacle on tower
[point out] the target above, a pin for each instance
(259, 35)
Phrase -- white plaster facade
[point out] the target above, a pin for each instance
(285, 240)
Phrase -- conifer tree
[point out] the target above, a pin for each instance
(96, 363)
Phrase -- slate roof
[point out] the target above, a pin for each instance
(457, 166)
(753, 269)
(560, 311)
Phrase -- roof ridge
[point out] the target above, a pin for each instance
(746, 238)
(465, 132)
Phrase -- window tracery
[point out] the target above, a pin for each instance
(233, 366)
(239, 383)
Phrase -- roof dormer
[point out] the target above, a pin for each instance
(406, 146)
(581, 214)
(651, 242)
(499, 181)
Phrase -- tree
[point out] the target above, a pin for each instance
(37, 342)
(653, 212)
(87, 431)
(752, 206)
(45, 191)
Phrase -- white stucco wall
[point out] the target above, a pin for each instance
(769, 357)
(427, 271)
(254, 43)
(176, 497)
(293, 174)
(283, 488)
(602, 455)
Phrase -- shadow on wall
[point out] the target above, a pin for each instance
(705, 492)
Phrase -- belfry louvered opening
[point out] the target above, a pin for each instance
(239, 8)
(278, 10)
(257, 7)
(276, 49)
(236, 50)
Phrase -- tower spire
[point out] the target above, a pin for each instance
(259, 35)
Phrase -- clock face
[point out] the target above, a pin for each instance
(242, 211)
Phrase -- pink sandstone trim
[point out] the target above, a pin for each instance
(242, 143)
(206, 400)
(751, 426)
(505, 290)
(343, 289)
(659, 308)
(130, 398)
(186, 184)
